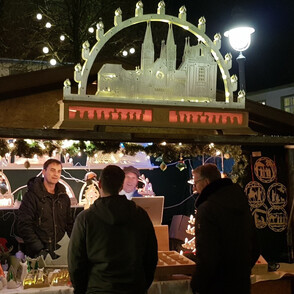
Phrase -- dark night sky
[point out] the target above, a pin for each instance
(270, 58)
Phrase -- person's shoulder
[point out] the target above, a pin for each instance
(60, 188)
(82, 216)
(34, 184)
(137, 194)
(34, 189)
(140, 211)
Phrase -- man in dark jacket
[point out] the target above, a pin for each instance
(113, 247)
(44, 214)
(226, 245)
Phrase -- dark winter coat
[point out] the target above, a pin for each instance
(113, 248)
(226, 244)
(43, 218)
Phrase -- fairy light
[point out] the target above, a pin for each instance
(39, 16)
(48, 25)
(53, 61)
(41, 144)
(45, 49)
(29, 141)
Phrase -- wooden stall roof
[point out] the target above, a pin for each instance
(273, 126)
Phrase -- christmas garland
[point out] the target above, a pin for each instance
(165, 153)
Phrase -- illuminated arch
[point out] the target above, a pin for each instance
(82, 72)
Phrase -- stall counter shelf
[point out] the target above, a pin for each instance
(158, 287)
(280, 281)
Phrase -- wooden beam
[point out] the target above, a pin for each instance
(59, 134)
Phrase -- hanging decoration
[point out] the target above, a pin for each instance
(181, 165)
(267, 198)
(163, 166)
(27, 164)
(164, 153)
(265, 170)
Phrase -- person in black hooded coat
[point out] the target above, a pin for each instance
(113, 247)
(226, 242)
(44, 215)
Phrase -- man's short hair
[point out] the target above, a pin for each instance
(49, 161)
(131, 169)
(208, 171)
(112, 179)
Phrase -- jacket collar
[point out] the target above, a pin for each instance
(211, 188)
(36, 185)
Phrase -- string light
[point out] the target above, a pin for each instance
(97, 151)
(53, 61)
(45, 50)
(48, 25)
(39, 16)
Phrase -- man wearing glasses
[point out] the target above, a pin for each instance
(226, 245)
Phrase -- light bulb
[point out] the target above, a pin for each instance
(62, 37)
(48, 25)
(45, 50)
(53, 61)
(240, 38)
(39, 16)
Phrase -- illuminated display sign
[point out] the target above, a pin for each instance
(202, 117)
(153, 116)
(116, 114)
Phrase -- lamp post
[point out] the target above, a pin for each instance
(240, 39)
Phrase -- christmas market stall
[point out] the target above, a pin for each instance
(163, 118)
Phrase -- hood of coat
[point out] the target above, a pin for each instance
(115, 209)
(223, 193)
(36, 185)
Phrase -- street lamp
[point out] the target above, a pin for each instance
(240, 39)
